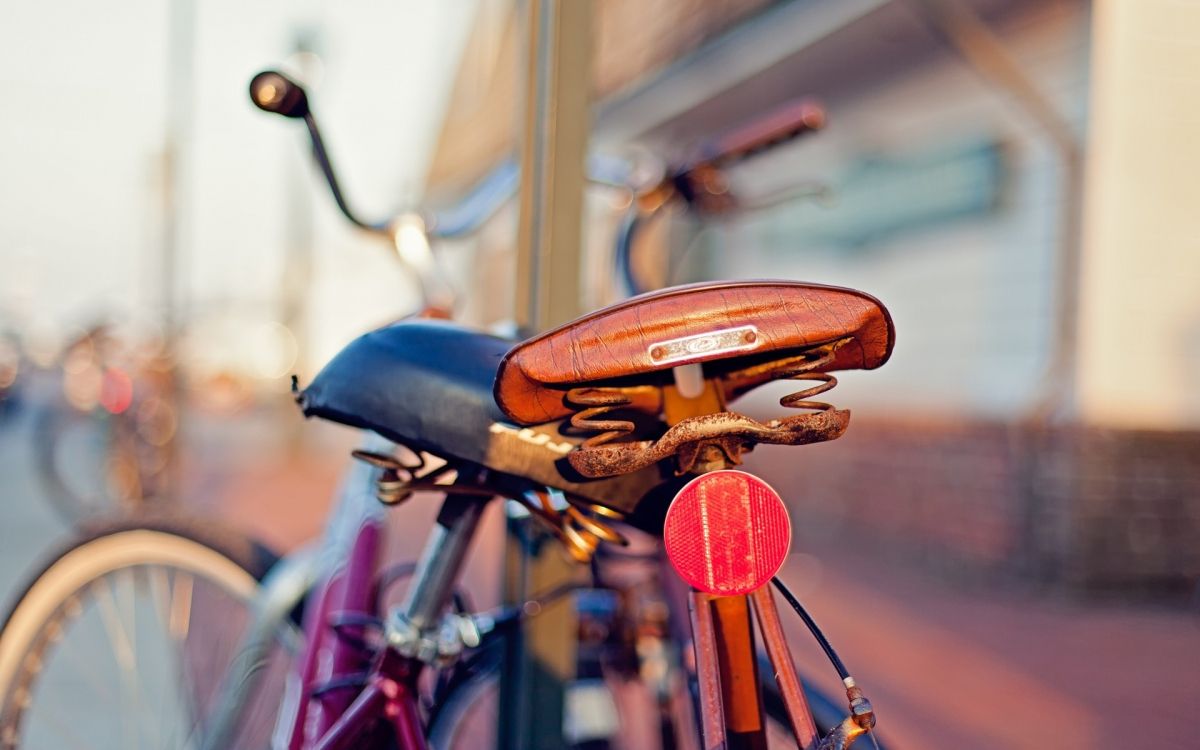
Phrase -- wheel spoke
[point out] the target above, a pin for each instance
(127, 594)
(119, 640)
(181, 606)
(160, 592)
(167, 611)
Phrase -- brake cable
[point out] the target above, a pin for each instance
(862, 713)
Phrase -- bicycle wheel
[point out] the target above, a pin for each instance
(122, 639)
(75, 465)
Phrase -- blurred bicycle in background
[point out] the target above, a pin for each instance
(107, 422)
(103, 442)
(10, 373)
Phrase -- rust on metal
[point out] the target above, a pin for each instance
(842, 736)
(712, 715)
(795, 704)
(707, 441)
(740, 692)
(729, 432)
(860, 721)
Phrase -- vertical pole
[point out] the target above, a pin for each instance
(541, 663)
(554, 143)
(984, 52)
(734, 638)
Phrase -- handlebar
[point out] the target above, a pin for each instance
(274, 92)
(792, 120)
(699, 181)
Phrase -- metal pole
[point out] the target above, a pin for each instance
(556, 121)
(553, 148)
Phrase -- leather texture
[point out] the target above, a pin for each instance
(428, 384)
(425, 383)
(641, 338)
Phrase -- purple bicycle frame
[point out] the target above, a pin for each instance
(340, 718)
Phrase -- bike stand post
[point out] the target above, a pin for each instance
(539, 662)
(556, 120)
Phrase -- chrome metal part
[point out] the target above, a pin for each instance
(687, 347)
(438, 645)
(441, 561)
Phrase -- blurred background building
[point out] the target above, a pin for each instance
(1010, 178)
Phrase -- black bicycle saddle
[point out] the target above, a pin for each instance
(427, 384)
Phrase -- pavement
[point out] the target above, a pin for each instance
(946, 665)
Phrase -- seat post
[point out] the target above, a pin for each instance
(726, 658)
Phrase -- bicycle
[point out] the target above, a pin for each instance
(104, 445)
(586, 450)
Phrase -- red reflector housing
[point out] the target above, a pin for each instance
(727, 533)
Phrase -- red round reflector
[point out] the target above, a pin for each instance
(727, 533)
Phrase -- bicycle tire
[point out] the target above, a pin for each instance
(54, 599)
(50, 424)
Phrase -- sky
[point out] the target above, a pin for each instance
(86, 92)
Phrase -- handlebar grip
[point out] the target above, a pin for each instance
(272, 91)
(790, 121)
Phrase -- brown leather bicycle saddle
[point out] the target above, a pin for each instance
(754, 326)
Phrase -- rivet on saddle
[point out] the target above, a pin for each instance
(604, 368)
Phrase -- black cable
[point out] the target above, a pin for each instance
(812, 627)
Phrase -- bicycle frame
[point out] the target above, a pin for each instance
(339, 578)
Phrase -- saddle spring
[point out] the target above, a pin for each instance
(579, 525)
(803, 370)
(605, 454)
(597, 402)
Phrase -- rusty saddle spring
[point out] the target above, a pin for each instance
(580, 526)
(735, 433)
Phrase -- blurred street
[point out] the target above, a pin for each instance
(947, 666)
